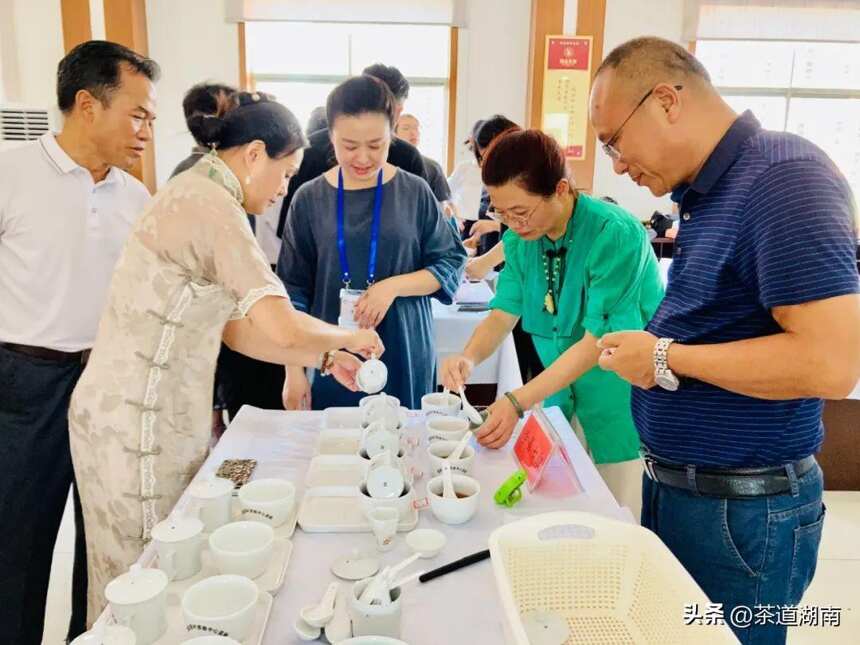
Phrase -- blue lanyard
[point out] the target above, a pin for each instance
(374, 231)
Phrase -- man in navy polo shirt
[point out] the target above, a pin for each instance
(761, 321)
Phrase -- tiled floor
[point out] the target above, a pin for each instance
(836, 583)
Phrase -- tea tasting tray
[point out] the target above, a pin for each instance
(339, 441)
(271, 580)
(177, 633)
(336, 470)
(338, 509)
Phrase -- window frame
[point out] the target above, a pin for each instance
(787, 93)
(448, 84)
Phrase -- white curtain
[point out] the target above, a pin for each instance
(811, 20)
(414, 12)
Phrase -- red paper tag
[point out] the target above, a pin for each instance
(533, 449)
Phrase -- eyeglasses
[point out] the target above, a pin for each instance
(512, 220)
(609, 147)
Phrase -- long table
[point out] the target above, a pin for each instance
(453, 328)
(462, 607)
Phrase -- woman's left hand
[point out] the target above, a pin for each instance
(501, 420)
(374, 304)
(344, 368)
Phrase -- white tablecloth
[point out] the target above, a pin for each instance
(453, 329)
(461, 607)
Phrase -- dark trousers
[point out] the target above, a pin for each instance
(35, 476)
(527, 356)
(241, 380)
(753, 556)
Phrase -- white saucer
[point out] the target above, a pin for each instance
(355, 567)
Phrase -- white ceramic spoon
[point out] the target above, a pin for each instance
(471, 413)
(306, 632)
(320, 615)
(412, 577)
(340, 626)
(460, 447)
(372, 589)
(447, 481)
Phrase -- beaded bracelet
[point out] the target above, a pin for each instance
(516, 404)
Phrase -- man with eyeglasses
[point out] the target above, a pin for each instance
(761, 321)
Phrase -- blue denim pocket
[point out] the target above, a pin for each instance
(744, 530)
(807, 537)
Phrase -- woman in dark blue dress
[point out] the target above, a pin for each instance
(369, 226)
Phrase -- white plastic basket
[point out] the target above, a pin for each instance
(612, 582)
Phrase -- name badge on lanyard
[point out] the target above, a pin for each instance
(349, 296)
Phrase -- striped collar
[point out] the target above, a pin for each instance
(722, 157)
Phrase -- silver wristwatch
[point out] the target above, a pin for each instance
(662, 374)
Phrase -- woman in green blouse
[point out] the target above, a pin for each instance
(575, 268)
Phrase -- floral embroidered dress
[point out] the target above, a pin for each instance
(140, 415)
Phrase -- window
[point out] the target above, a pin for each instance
(300, 63)
(808, 88)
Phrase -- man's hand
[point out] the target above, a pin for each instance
(630, 354)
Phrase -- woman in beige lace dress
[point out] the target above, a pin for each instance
(191, 274)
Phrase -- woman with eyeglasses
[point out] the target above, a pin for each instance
(576, 268)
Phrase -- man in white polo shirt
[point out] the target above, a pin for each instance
(66, 207)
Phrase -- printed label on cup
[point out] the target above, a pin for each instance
(254, 511)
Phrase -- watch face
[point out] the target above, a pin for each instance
(667, 381)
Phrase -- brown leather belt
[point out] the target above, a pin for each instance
(48, 354)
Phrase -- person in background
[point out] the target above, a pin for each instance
(190, 275)
(319, 156)
(465, 184)
(761, 321)
(316, 121)
(67, 205)
(366, 225)
(486, 232)
(239, 379)
(409, 128)
(576, 268)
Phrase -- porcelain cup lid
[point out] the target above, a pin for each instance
(136, 586)
(177, 528)
(372, 376)
(211, 487)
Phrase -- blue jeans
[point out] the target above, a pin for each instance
(756, 551)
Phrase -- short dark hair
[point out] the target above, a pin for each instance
(392, 77)
(253, 116)
(488, 130)
(96, 66)
(531, 158)
(648, 60)
(206, 99)
(317, 120)
(360, 95)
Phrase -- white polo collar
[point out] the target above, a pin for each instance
(64, 164)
